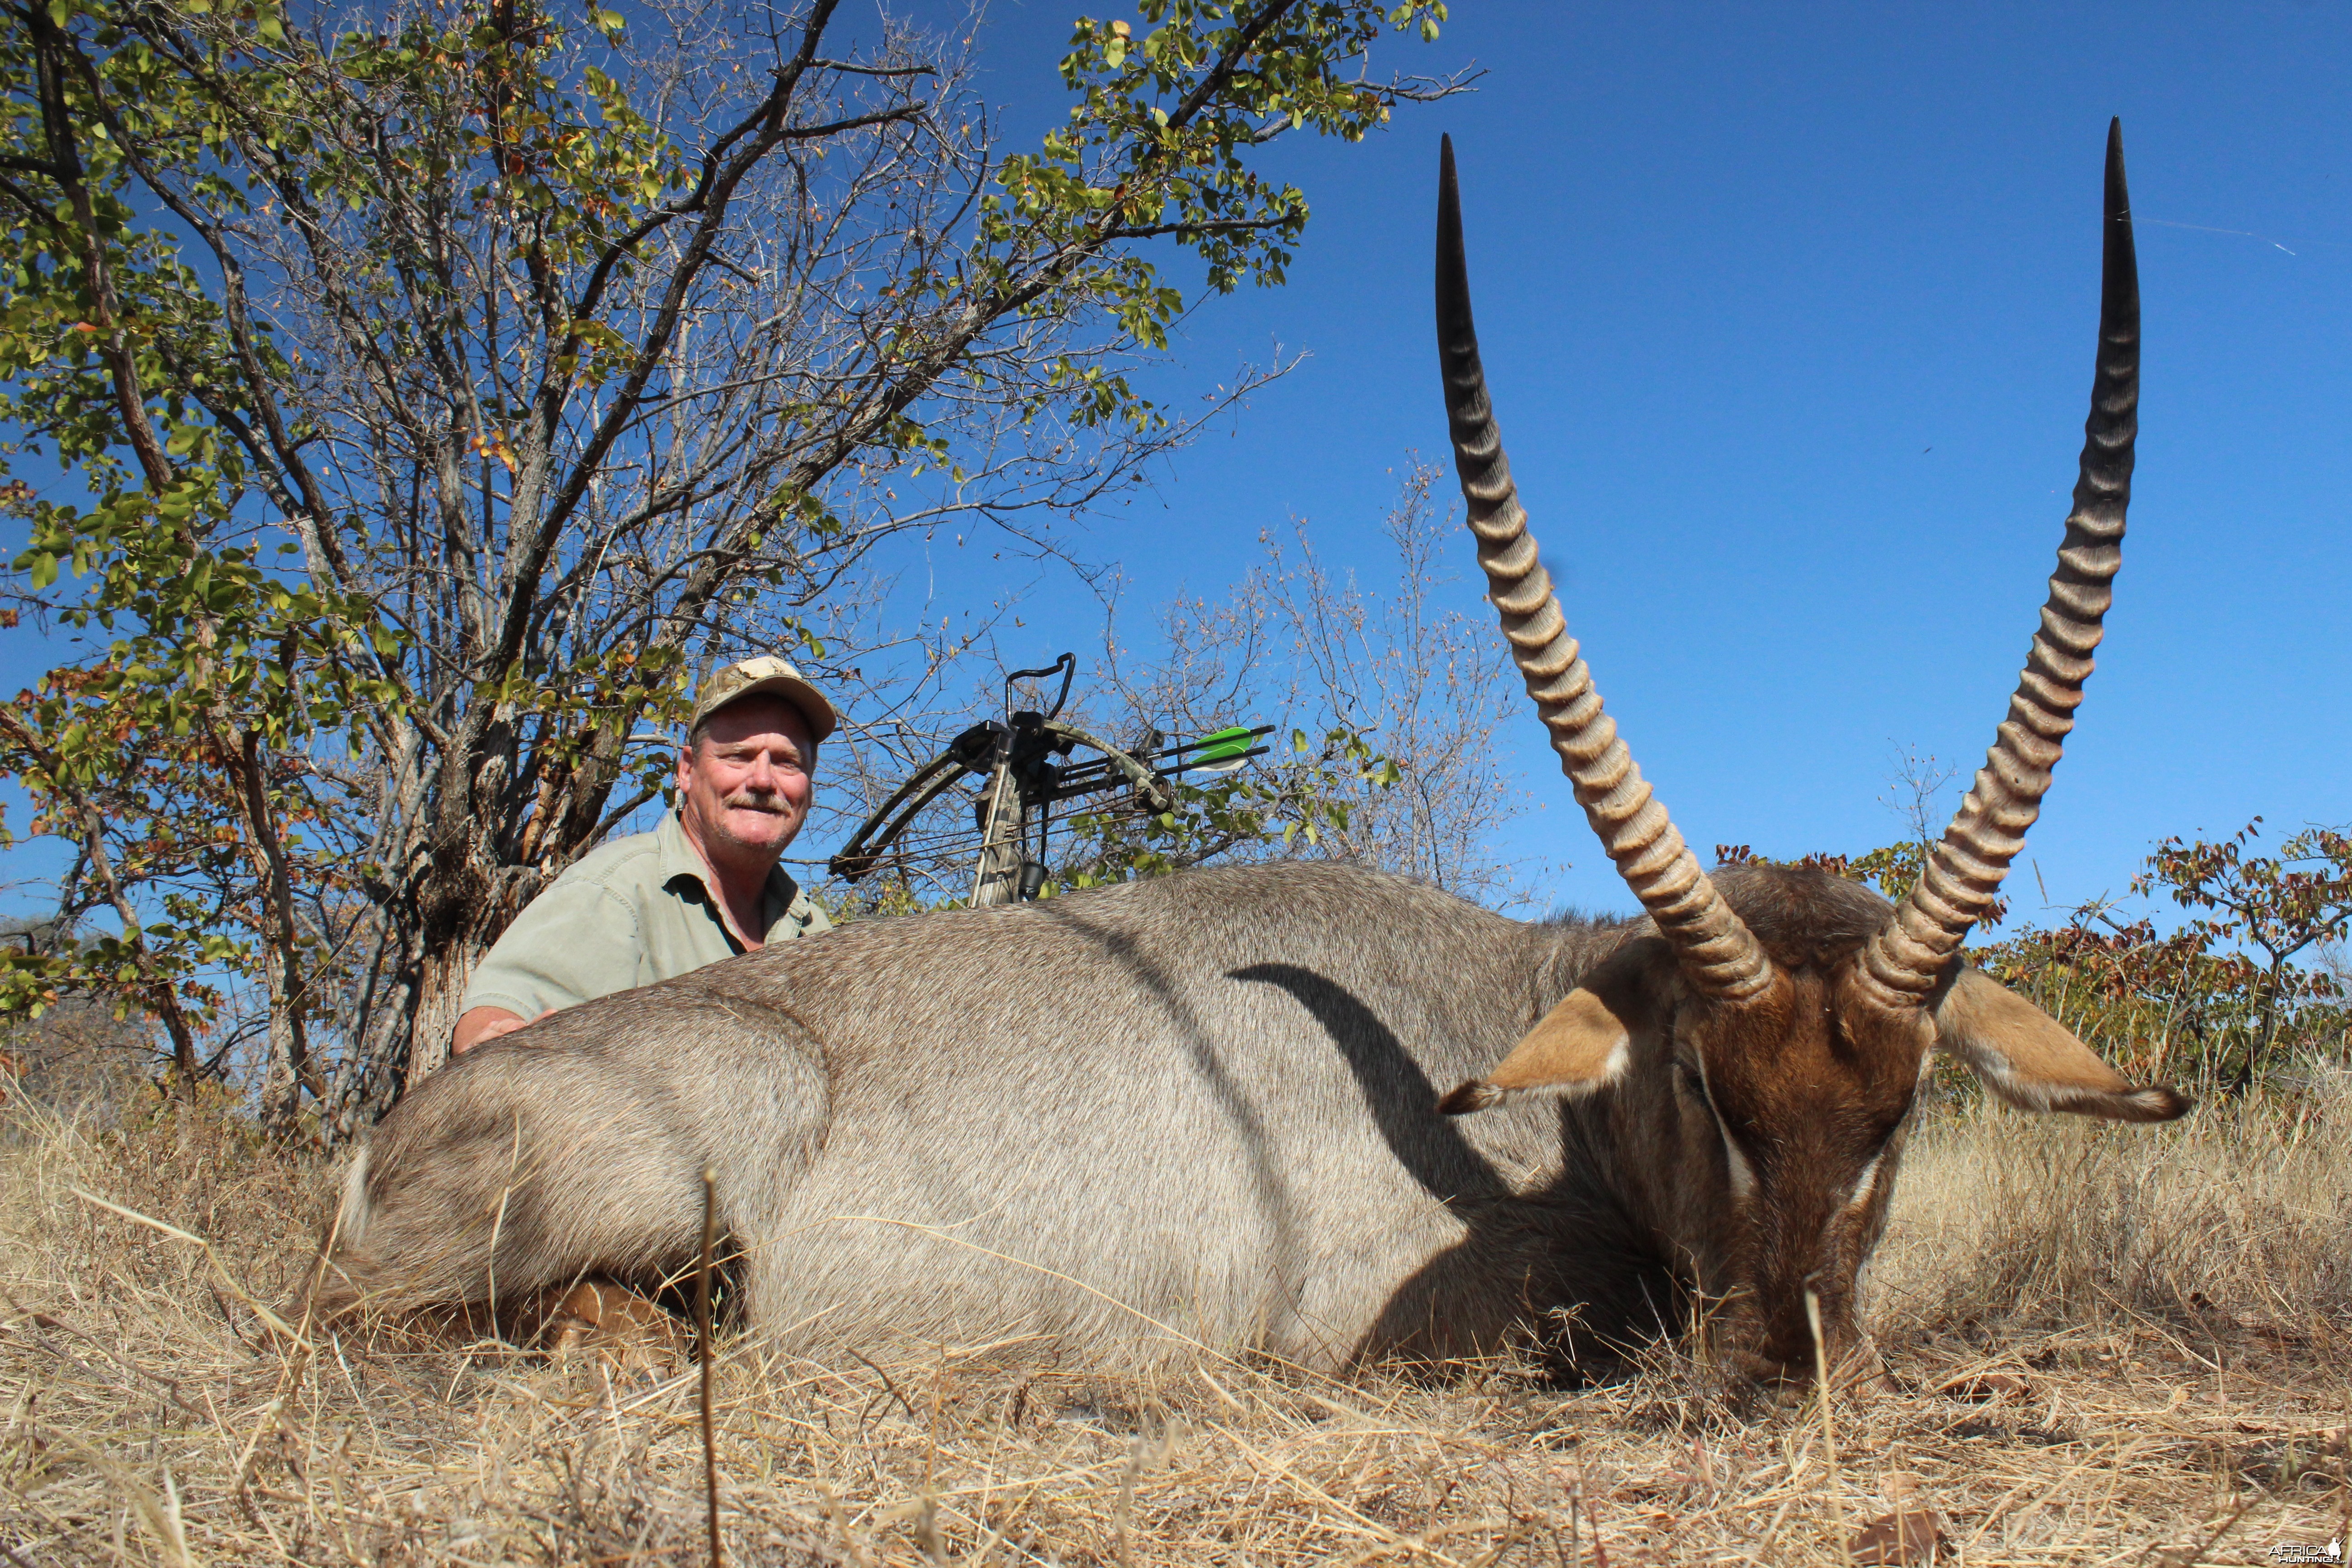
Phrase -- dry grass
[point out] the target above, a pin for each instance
(2118, 1346)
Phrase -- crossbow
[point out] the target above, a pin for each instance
(1028, 762)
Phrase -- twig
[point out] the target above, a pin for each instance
(886, 1384)
(1592, 1518)
(702, 1351)
(1575, 1502)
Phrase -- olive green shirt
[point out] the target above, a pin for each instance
(634, 911)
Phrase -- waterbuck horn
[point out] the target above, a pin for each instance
(1906, 958)
(1717, 953)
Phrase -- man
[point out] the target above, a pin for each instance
(703, 886)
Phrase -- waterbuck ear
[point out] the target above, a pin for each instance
(2030, 1060)
(1581, 1044)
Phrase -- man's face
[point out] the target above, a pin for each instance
(746, 782)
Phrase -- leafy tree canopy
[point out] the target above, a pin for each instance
(405, 405)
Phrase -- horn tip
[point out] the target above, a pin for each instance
(2118, 203)
(1455, 327)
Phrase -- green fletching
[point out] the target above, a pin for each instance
(1223, 746)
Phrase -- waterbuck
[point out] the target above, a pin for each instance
(1215, 1108)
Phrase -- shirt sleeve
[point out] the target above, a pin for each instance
(574, 941)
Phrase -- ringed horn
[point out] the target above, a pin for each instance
(1719, 953)
(1905, 959)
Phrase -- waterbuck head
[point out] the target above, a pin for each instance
(1763, 1049)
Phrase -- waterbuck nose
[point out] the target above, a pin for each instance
(1781, 1381)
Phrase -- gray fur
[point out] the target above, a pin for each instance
(1196, 1109)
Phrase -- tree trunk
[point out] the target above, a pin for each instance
(282, 1073)
(287, 1071)
(2258, 1046)
(441, 979)
(467, 889)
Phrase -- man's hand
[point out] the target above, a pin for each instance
(487, 1024)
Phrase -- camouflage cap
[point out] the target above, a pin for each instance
(766, 676)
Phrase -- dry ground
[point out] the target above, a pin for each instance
(2118, 1345)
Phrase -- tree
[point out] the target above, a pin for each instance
(2138, 995)
(1383, 703)
(2193, 1000)
(1390, 700)
(445, 390)
(2281, 904)
(1915, 787)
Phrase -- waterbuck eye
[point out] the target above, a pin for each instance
(1695, 1081)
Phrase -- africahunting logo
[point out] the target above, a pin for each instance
(2297, 1551)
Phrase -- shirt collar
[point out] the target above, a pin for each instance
(678, 859)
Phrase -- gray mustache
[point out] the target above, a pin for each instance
(757, 799)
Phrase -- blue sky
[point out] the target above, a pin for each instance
(1788, 314)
